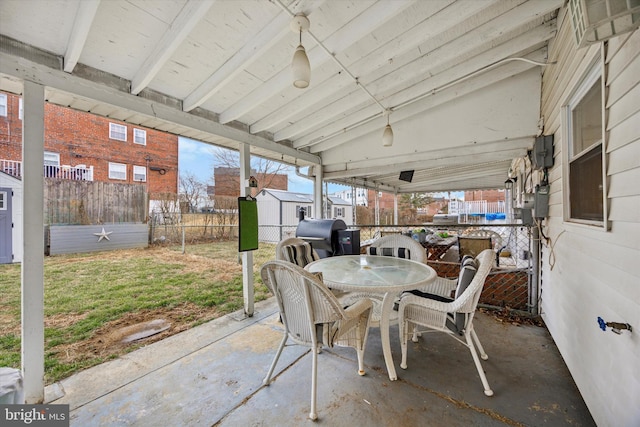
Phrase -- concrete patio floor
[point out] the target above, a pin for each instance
(212, 375)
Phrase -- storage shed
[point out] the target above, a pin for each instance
(10, 219)
(340, 209)
(278, 213)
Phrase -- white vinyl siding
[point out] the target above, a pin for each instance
(139, 136)
(139, 173)
(585, 272)
(117, 132)
(117, 171)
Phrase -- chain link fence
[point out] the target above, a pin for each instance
(508, 286)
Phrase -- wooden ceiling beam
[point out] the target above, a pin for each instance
(81, 25)
(192, 12)
(427, 103)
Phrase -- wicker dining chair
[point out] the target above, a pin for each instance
(296, 250)
(396, 245)
(452, 316)
(475, 241)
(312, 316)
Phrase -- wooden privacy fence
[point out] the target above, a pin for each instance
(93, 202)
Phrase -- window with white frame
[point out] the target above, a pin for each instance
(338, 212)
(140, 173)
(51, 164)
(585, 134)
(3, 105)
(118, 132)
(117, 171)
(306, 209)
(139, 136)
(3, 198)
(20, 109)
(51, 158)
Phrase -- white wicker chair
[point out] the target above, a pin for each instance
(296, 250)
(309, 310)
(396, 245)
(428, 315)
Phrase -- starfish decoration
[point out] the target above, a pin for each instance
(103, 234)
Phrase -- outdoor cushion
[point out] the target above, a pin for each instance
(394, 252)
(467, 272)
(299, 254)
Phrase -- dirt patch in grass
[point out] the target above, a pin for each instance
(108, 340)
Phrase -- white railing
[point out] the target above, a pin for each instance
(73, 173)
(11, 167)
(476, 207)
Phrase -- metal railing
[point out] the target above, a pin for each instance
(73, 173)
(11, 167)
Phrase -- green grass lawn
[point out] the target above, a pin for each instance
(88, 296)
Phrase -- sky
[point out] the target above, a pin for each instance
(197, 157)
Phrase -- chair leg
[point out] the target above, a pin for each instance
(275, 359)
(403, 329)
(476, 360)
(360, 353)
(360, 349)
(483, 355)
(314, 380)
(416, 334)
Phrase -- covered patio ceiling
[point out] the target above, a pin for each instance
(460, 80)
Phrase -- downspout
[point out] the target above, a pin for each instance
(535, 273)
(281, 217)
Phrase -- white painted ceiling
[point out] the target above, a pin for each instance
(461, 78)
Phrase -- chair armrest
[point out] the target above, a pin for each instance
(429, 304)
(441, 286)
(358, 308)
(357, 317)
(460, 305)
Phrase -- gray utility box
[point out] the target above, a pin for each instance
(541, 201)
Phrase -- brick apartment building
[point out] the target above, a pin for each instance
(491, 196)
(84, 146)
(227, 181)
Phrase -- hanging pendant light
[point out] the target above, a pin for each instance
(300, 66)
(387, 135)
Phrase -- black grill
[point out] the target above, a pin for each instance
(322, 234)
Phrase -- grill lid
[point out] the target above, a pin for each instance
(321, 233)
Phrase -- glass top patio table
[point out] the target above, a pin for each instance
(372, 273)
(386, 275)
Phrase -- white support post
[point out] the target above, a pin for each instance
(377, 208)
(317, 192)
(33, 243)
(395, 209)
(247, 256)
